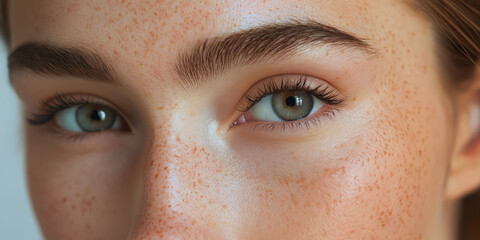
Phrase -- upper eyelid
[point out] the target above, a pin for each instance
(50, 107)
(59, 102)
(270, 85)
(65, 100)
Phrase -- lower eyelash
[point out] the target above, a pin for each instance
(305, 123)
(75, 137)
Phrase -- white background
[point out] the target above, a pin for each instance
(17, 221)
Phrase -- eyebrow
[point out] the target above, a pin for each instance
(45, 58)
(205, 59)
(211, 57)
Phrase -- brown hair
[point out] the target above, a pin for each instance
(3, 23)
(457, 25)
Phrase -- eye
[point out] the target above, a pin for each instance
(285, 106)
(289, 102)
(88, 118)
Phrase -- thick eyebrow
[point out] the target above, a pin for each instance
(44, 58)
(207, 58)
(211, 57)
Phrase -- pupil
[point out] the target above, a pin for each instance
(292, 105)
(292, 101)
(98, 116)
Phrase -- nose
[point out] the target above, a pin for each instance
(179, 198)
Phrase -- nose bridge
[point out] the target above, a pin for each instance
(173, 188)
(157, 214)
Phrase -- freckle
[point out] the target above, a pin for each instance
(294, 200)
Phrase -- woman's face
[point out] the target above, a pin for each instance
(231, 119)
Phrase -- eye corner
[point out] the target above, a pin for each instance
(36, 119)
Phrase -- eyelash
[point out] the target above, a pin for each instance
(323, 92)
(57, 104)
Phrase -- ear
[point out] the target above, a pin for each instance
(464, 174)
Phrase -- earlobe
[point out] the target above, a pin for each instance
(463, 180)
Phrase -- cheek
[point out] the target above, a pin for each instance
(381, 186)
(389, 177)
(404, 165)
(80, 196)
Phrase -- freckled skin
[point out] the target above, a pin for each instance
(375, 171)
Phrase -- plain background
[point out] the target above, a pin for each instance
(17, 221)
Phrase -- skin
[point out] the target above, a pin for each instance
(375, 170)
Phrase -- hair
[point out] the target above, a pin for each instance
(457, 29)
(4, 29)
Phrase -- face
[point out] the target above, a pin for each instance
(231, 119)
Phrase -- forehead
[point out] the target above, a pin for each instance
(145, 22)
(144, 37)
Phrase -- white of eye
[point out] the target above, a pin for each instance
(67, 119)
(263, 109)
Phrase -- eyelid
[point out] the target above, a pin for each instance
(57, 103)
(325, 92)
(60, 102)
(291, 82)
(289, 130)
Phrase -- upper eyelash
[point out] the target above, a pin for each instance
(58, 103)
(322, 92)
